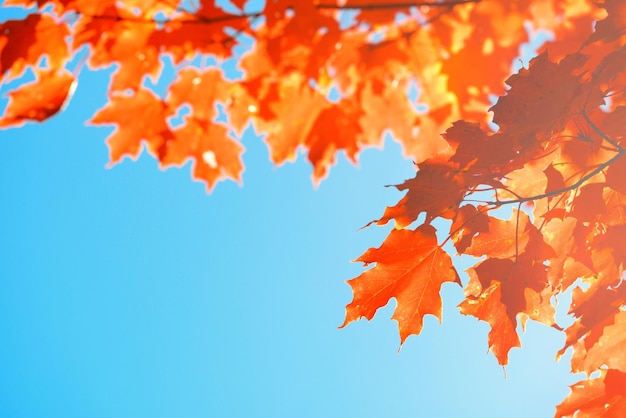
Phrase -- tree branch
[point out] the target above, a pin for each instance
(399, 5)
(573, 186)
(322, 6)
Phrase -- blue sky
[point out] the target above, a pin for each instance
(130, 292)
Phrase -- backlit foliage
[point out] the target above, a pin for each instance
(333, 76)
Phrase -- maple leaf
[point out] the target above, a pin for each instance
(501, 238)
(488, 307)
(200, 89)
(25, 42)
(335, 128)
(608, 351)
(313, 82)
(215, 155)
(613, 26)
(557, 153)
(594, 310)
(468, 222)
(499, 290)
(39, 100)
(604, 396)
(296, 107)
(119, 41)
(205, 31)
(544, 96)
(410, 266)
(437, 190)
(123, 111)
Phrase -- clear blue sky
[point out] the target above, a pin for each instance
(130, 292)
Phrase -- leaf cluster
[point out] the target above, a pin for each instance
(329, 76)
(556, 160)
(318, 77)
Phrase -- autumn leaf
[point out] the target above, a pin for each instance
(488, 307)
(533, 186)
(39, 100)
(544, 96)
(558, 157)
(609, 350)
(501, 289)
(468, 222)
(24, 42)
(502, 238)
(132, 129)
(119, 41)
(199, 89)
(411, 267)
(215, 155)
(436, 190)
(604, 396)
(613, 26)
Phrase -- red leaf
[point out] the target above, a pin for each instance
(468, 222)
(543, 97)
(335, 128)
(614, 25)
(25, 42)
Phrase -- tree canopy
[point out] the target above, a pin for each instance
(523, 171)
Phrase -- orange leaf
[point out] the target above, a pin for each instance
(499, 290)
(140, 116)
(604, 397)
(335, 128)
(489, 308)
(39, 100)
(609, 351)
(502, 238)
(117, 41)
(468, 222)
(199, 89)
(411, 267)
(215, 155)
